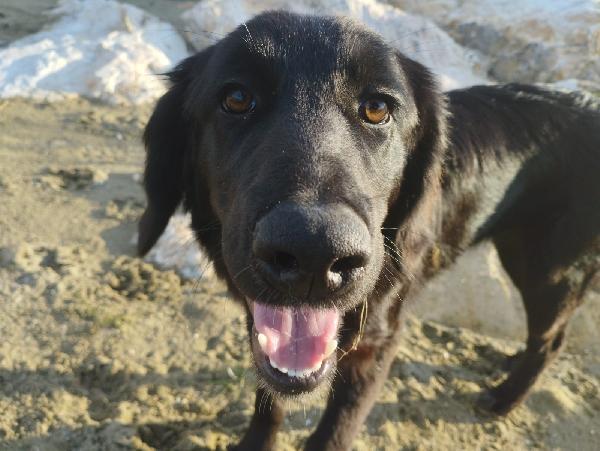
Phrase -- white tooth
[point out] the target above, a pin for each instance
(292, 373)
(274, 342)
(273, 364)
(262, 341)
(283, 370)
(316, 367)
(330, 348)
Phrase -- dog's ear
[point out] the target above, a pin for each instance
(166, 139)
(415, 211)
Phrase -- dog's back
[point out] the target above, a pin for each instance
(521, 156)
(522, 170)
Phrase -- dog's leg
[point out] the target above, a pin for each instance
(266, 421)
(550, 300)
(548, 311)
(511, 361)
(360, 376)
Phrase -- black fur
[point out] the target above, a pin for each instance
(514, 164)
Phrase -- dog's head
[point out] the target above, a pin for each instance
(296, 142)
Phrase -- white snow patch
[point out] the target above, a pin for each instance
(416, 36)
(528, 41)
(98, 48)
(177, 248)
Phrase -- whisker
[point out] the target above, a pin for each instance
(393, 257)
(393, 290)
(262, 400)
(394, 252)
(239, 273)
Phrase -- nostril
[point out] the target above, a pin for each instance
(344, 270)
(284, 262)
(346, 264)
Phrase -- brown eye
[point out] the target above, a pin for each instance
(375, 111)
(238, 101)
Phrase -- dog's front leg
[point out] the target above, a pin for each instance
(267, 418)
(360, 376)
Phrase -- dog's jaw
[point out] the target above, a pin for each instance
(294, 349)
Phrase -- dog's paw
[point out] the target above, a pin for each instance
(247, 444)
(491, 401)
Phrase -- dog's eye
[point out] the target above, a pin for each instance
(375, 111)
(238, 101)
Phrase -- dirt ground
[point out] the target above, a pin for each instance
(100, 350)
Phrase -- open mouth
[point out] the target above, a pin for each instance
(294, 348)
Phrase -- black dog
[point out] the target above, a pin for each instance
(325, 174)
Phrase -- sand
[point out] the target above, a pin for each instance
(101, 351)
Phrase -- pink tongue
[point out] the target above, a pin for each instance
(296, 337)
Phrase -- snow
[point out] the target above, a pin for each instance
(528, 41)
(115, 52)
(177, 248)
(418, 37)
(97, 48)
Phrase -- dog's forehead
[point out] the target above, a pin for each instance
(310, 46)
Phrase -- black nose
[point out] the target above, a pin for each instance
(311, 251)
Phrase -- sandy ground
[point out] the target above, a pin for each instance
(100, 351)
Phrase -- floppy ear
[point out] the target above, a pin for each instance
(415, 212)
(166, 139)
